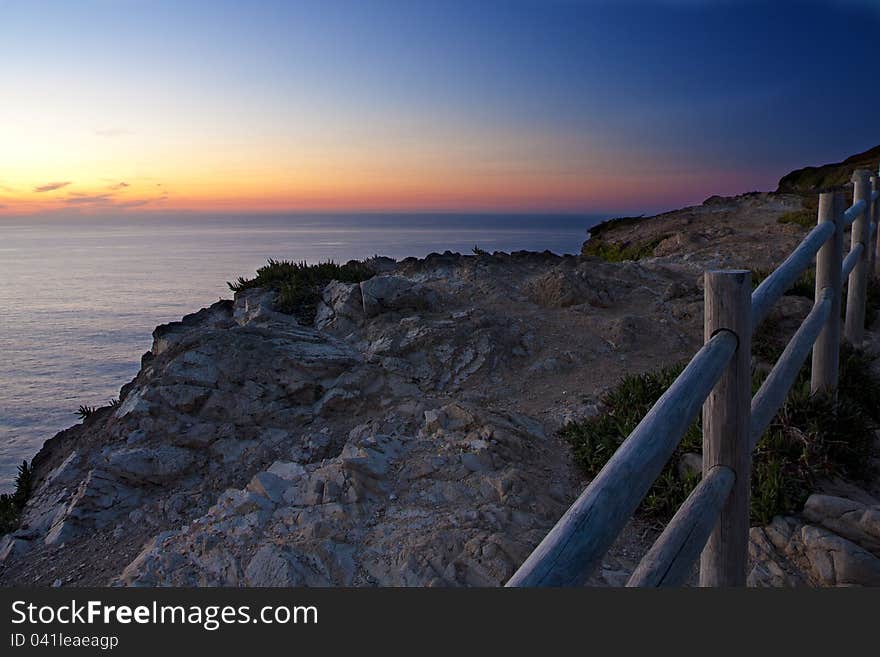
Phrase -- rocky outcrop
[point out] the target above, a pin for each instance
(405, 439)
(828, 176)
(452, 501)
(408, 438)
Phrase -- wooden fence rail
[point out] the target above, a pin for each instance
(713, 522)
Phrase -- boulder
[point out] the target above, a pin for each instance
(852, 520)
(390, 292)
(836, 561)
(341, 306)
(257, 306)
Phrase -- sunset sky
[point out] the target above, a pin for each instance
(129, 106)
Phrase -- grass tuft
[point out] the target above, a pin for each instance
(11, 504)
(85, 411)
(299, 284)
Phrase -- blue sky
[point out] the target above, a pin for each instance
(427, 105)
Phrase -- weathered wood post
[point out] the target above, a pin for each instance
(726, 422)
(857, 289)
(875, 246)
(829, 260)
(869, 243)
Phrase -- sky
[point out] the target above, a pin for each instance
(136, 106)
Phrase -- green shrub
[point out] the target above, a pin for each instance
(11, 504)
(812, 436)
(595, 439)
(610, 224)
(299, 284)
(620, 251)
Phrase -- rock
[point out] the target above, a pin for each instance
(256, 306)
(770, 567)
(184, 397)
(835, 561)
(390, 292)
(198, 435)
(12, 546)
(479, 462)
(269, 485)
(272, 566)
(217, 316)
(287, 470)
(133, 404)
(67, 471)
(153, 465)
(852, 520)
(341, 307)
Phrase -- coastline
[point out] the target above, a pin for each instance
(404, 438)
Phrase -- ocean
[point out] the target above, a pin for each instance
(80, 296)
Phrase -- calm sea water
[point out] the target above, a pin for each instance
(80, 297)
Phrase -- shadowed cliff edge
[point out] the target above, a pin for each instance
(398, 423)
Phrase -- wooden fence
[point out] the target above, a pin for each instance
(713, 523)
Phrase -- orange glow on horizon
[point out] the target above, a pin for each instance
(383, 191)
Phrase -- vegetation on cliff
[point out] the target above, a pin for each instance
(828, 176)
(812, 436)
(299, 284)
(11, 504)
(619, 252)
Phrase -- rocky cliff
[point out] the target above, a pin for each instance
(408, 437)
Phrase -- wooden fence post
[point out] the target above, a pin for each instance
(829, 260)
(726, 426)
(857, 288)
(869, 242)
(875, 247)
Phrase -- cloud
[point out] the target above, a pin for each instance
(118, 186)
(80, 199)
(108, 200)
(52, 186)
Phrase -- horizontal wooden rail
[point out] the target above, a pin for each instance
(854, 212)
(776, 284)
(575, 546)
(774, 390)
(852, 259)
(672, 557)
